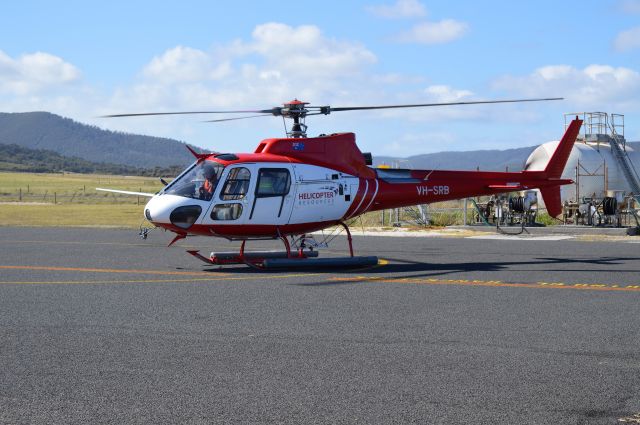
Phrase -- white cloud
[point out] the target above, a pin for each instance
(400, 9)
(436, 114)
(274, 64)
(439, 32)
(595, 86)
(627, 40)
(186, 64)
(278, 62)
(445, 94)
(34, 72)
(630, 6)
(306, 52)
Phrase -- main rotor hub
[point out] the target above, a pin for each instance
(296, 110)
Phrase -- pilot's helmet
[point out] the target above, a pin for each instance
(209, 171)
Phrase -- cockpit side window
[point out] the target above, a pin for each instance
(273, 182)
(237, 184)
(199, 182)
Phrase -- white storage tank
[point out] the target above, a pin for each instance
(586, 165)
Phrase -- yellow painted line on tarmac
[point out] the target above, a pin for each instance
(193, 280)
(96, 270)
(492, 283)
(381, 262)
(183, 245)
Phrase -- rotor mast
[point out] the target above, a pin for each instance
(296, 110)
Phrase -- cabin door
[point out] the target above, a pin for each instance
(272, 197)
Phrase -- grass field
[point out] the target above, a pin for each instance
(34, 199)
(27, 199)
(71, 215)
(72, 188)
(70, 182)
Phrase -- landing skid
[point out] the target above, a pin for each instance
(300, 258)
(254, 257)
(286, 263)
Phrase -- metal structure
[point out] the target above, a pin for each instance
(608, 207)
(601, 127)
(507, 209)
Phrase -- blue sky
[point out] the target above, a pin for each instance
(82, 60)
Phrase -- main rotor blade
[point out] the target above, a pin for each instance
(274, 111)
(357, 108)
(238, 118)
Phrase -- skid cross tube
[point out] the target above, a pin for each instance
(346, 228)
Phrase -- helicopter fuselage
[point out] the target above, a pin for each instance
(292, 186)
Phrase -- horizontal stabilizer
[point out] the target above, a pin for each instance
(507, 187)
(126, 192)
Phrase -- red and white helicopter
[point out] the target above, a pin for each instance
(290, 187)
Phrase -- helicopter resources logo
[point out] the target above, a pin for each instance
(316, 198)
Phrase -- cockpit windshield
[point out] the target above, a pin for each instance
(199, 182)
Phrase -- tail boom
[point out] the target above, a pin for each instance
(399, 188)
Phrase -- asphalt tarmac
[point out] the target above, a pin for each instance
(98, 326)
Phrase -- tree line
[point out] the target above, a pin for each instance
(19, 159)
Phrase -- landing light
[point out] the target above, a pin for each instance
(184, 217)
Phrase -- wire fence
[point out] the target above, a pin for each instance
(80, 196)
(440, 214)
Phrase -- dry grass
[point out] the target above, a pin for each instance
(129, 216)
(79, 204)
(77, 201)
(72, 188)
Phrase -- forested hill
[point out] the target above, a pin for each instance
(18, 158)
(43, 130)
(485, 160)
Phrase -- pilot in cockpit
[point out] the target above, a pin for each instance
(210, 181)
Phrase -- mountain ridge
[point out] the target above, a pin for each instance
(44, 130)
(73, 140)
(486, 160)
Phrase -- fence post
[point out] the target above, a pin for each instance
(55, 195)
(20, 196)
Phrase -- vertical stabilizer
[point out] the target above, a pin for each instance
(555, 167)
(551, 197)
(558, 160)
